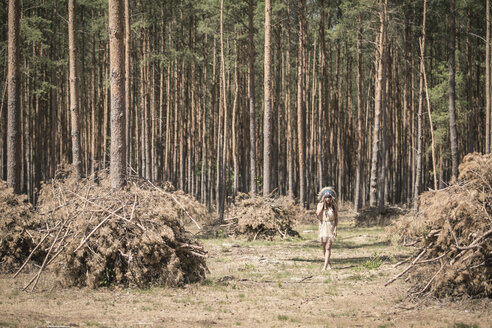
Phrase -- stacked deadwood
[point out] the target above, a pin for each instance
(19, 226)
(452, 231)
(258, 217)
(133, 237)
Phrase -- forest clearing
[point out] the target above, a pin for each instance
(245, 272)
(166, 163)
(256, 283)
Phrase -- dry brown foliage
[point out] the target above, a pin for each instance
(17, 221)
(258, 217)
(452, 231)
(132, 237)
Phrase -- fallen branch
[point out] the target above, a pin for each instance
(408, 268)
(36, 277)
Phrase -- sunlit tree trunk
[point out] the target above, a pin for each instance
(377, 110)
(74, 92)
(117, 81)
(300, 107)
(252, 116)
(128, 77)
(267, 117)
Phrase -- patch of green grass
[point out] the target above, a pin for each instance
(207, 282)
(355, 277)
(374, 263)
(7, 324)
(248, 267)
(146, 308)
(282, 317)
(241, 296)
(464, 325)
(93, 324)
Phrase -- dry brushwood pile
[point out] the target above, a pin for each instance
(93, 236)
(258, 217)
(17, 221)
(452, 231)
(371, 216)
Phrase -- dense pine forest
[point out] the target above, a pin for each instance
(379, 98)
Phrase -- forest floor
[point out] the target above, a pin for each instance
(256, 284)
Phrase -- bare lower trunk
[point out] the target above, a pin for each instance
(74, 97)
(377, 112)
(300, 107)
(359, 118)
(267, 117)
(117, 80)
(487, 80)
(252, 116)
(13, 99)
(452, 111)
(127, 77)
(234, 132)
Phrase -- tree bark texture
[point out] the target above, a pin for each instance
(267, 116)
(13, 99)
(74, 92)
(452, 109)
(117, 81)
(300, 106)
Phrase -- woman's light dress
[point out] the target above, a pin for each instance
(327, 226)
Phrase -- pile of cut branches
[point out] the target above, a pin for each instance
(452, 232)
(258, 217)
(19, 224)
(94, 236)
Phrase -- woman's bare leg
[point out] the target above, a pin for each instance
(327, 253)
(323, 245)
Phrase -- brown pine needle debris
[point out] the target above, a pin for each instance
(452, 233)
(93, 236)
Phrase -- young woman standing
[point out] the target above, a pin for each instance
(327, 213)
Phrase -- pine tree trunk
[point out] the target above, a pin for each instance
(377, 111)
(424, 75)
(382, 180)
(452, 111)
(359, 117)
(469, 91)
(74, 97)
(128, 77)
(300, 107)
(222, 112)
(267, 117)
(252, 116)
(117, 81)
(234, 127)
(290, 114)
(488, 106)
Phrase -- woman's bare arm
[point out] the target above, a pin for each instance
(319, 210)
